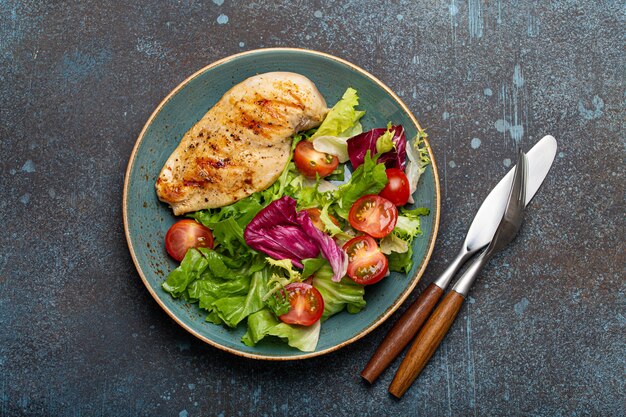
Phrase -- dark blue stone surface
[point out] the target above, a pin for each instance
(544, 329)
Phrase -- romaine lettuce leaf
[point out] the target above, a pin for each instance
(264, 323)
(356, 129)
(340, 124)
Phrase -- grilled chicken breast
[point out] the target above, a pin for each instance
(242, 144)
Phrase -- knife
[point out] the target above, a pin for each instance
(480, 233)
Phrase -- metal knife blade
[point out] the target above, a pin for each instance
(485, 223)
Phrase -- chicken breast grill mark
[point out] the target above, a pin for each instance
(242, 144)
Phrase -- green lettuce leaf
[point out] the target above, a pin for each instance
(311, 265)
(338, 295)
(338, 174)
(278, 303)
(401, 262)
(231, 310)
(407, 228)
(416, 212)
(368, 178)
(309, 195)
(283, 273)
(228, 223)
(284, 265)
(329, 225)
(208, 290)
(204, 263)
(229, 289)
(356, 129)
(264, 323)
(241, 211)
(228, 236)
(342, 117)
(190, 269)
(393, 243)
(408, 224)
(417, 160)
(385, 142)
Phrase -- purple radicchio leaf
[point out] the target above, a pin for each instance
(282, 233)
(276, 232)
(337, 258)
(366, 141)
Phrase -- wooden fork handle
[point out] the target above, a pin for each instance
(426, 343)
(402, 332)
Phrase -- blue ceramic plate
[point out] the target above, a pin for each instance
(146, 219)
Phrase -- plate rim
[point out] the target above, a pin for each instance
(387, 313)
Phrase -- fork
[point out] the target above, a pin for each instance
(444, 315)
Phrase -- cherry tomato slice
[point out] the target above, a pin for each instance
(397, 189)
(186, 234)
(307, 304)
(373, 215)
(366, 263)
(310, 162)
(314, 215)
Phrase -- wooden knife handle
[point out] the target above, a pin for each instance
(402, 332)
(426, 343)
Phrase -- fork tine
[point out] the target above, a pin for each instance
(523, 164)
(518, 190)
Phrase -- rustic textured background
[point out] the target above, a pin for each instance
(544, 330)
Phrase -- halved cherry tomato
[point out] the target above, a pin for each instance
(186, 234)
(310, 162)
(373, 215)
(397, 189)
(314, 214)
(366, 263)
(307, 304)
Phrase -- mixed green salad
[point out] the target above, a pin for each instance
(287, 258)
